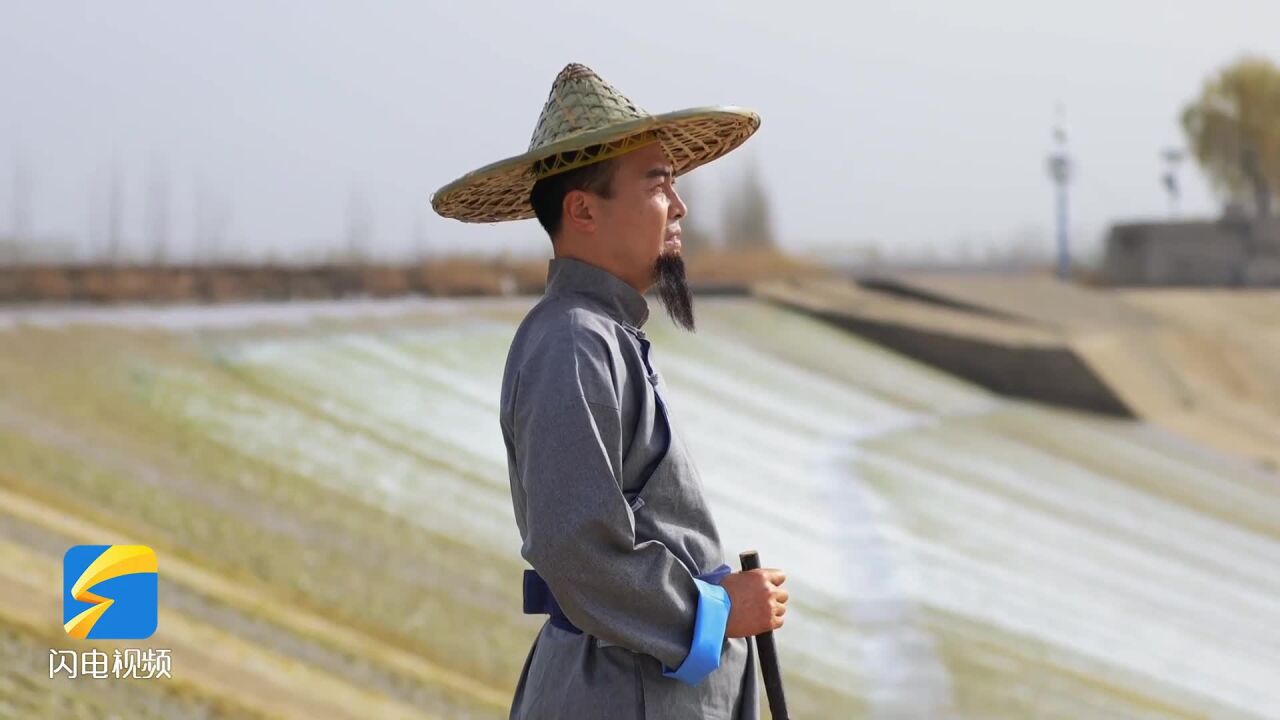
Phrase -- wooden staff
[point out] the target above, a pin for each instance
(768, 654)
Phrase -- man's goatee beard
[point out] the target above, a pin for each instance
(673, 290)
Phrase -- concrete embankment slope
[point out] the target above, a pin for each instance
(1204, 363)
(326, 488)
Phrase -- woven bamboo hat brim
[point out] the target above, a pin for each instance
(585, 120)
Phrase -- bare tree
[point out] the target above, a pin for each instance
(696, 236)
(115, 215)
(421, 243)
(359, 230)
(201, 250)
(220, 226)
(22, 183)
(748, 223)
(158, 212)
(212, 222)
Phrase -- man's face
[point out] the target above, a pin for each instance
(641, 223)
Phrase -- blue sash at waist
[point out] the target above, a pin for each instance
(538, 599)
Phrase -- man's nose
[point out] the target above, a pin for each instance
(677, 209)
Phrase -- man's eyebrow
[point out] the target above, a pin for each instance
(660, 172)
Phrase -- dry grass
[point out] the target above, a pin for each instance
(92, 433)
(454, 276)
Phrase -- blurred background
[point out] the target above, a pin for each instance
(993, 294)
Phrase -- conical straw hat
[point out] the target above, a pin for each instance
(586, 120)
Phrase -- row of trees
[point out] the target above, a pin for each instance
(153, 239)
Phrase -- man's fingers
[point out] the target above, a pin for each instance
(782, 596)
(775, 576)
(779, 610)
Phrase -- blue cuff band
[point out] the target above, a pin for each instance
(708, 635)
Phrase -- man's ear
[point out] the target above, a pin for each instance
(578, 211)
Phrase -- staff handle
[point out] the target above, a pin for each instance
(768, 654)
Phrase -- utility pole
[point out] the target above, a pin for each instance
(1172, 157)
(1060, 171)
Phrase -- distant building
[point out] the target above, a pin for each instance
(1231, 252)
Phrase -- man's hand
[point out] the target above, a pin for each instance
(758, 604)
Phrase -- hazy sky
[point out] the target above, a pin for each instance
(906, 124)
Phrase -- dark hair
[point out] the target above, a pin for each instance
(547, 196)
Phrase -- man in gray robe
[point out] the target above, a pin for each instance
(646, 620)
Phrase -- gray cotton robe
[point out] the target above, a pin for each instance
(611, 514)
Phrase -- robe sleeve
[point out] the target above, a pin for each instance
(580, 530)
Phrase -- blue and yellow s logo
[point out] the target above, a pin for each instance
(109, 592)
